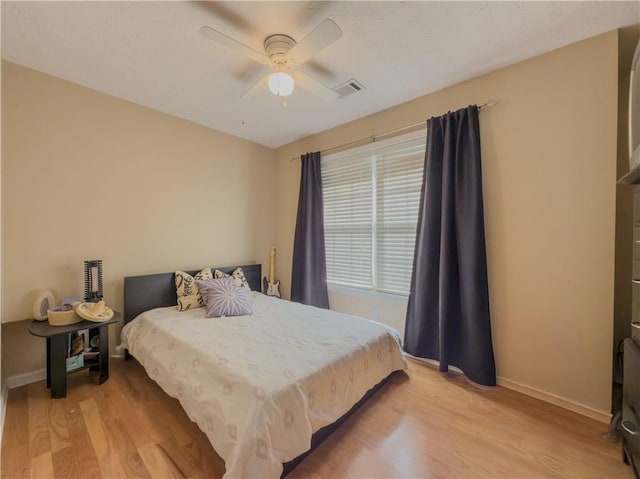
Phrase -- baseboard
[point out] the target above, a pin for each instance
(565, 403)
(25, 378)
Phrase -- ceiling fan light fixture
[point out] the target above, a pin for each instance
(281, 84)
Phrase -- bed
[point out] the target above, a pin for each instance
(264, 388)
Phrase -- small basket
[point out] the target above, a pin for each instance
(63, 318)
(75, 362)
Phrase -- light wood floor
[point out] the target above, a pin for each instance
(424, 425)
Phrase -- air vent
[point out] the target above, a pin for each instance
(348, 88)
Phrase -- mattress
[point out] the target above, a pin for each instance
(259, 386)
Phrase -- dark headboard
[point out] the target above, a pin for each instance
(142, 293)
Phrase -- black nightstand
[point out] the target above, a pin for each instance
(57, 351)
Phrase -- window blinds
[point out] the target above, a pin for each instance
(371, 197)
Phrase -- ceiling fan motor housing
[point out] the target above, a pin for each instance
(276, 48)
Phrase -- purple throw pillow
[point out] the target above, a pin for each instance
(225, 298)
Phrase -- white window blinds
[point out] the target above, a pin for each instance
(371, 197)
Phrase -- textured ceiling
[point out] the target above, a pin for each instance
(150, 53)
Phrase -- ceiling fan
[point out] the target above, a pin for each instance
(283, 54)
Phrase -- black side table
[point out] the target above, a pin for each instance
(57, 351)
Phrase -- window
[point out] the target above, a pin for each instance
(371, 197)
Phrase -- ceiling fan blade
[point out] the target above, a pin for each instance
(259, 87)
(320, 37)
(314, 87)
(229, 42)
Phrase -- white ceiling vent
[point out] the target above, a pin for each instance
(349, 87)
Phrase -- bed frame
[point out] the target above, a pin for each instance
(142, 293)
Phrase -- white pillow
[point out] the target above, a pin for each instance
(189, 296)
(238, 277)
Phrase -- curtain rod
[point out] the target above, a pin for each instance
(488, 103)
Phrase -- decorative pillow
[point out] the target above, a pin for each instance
(225, 298)
(189, 296)
(238, 276)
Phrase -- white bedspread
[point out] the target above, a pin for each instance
(259, 386)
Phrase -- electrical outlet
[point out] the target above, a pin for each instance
(119, 350)
(374, 314)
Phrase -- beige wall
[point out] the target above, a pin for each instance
(628, 40)
(86, 175)
(549, 159)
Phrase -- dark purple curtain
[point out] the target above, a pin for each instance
(448, 312)
(309, 272)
